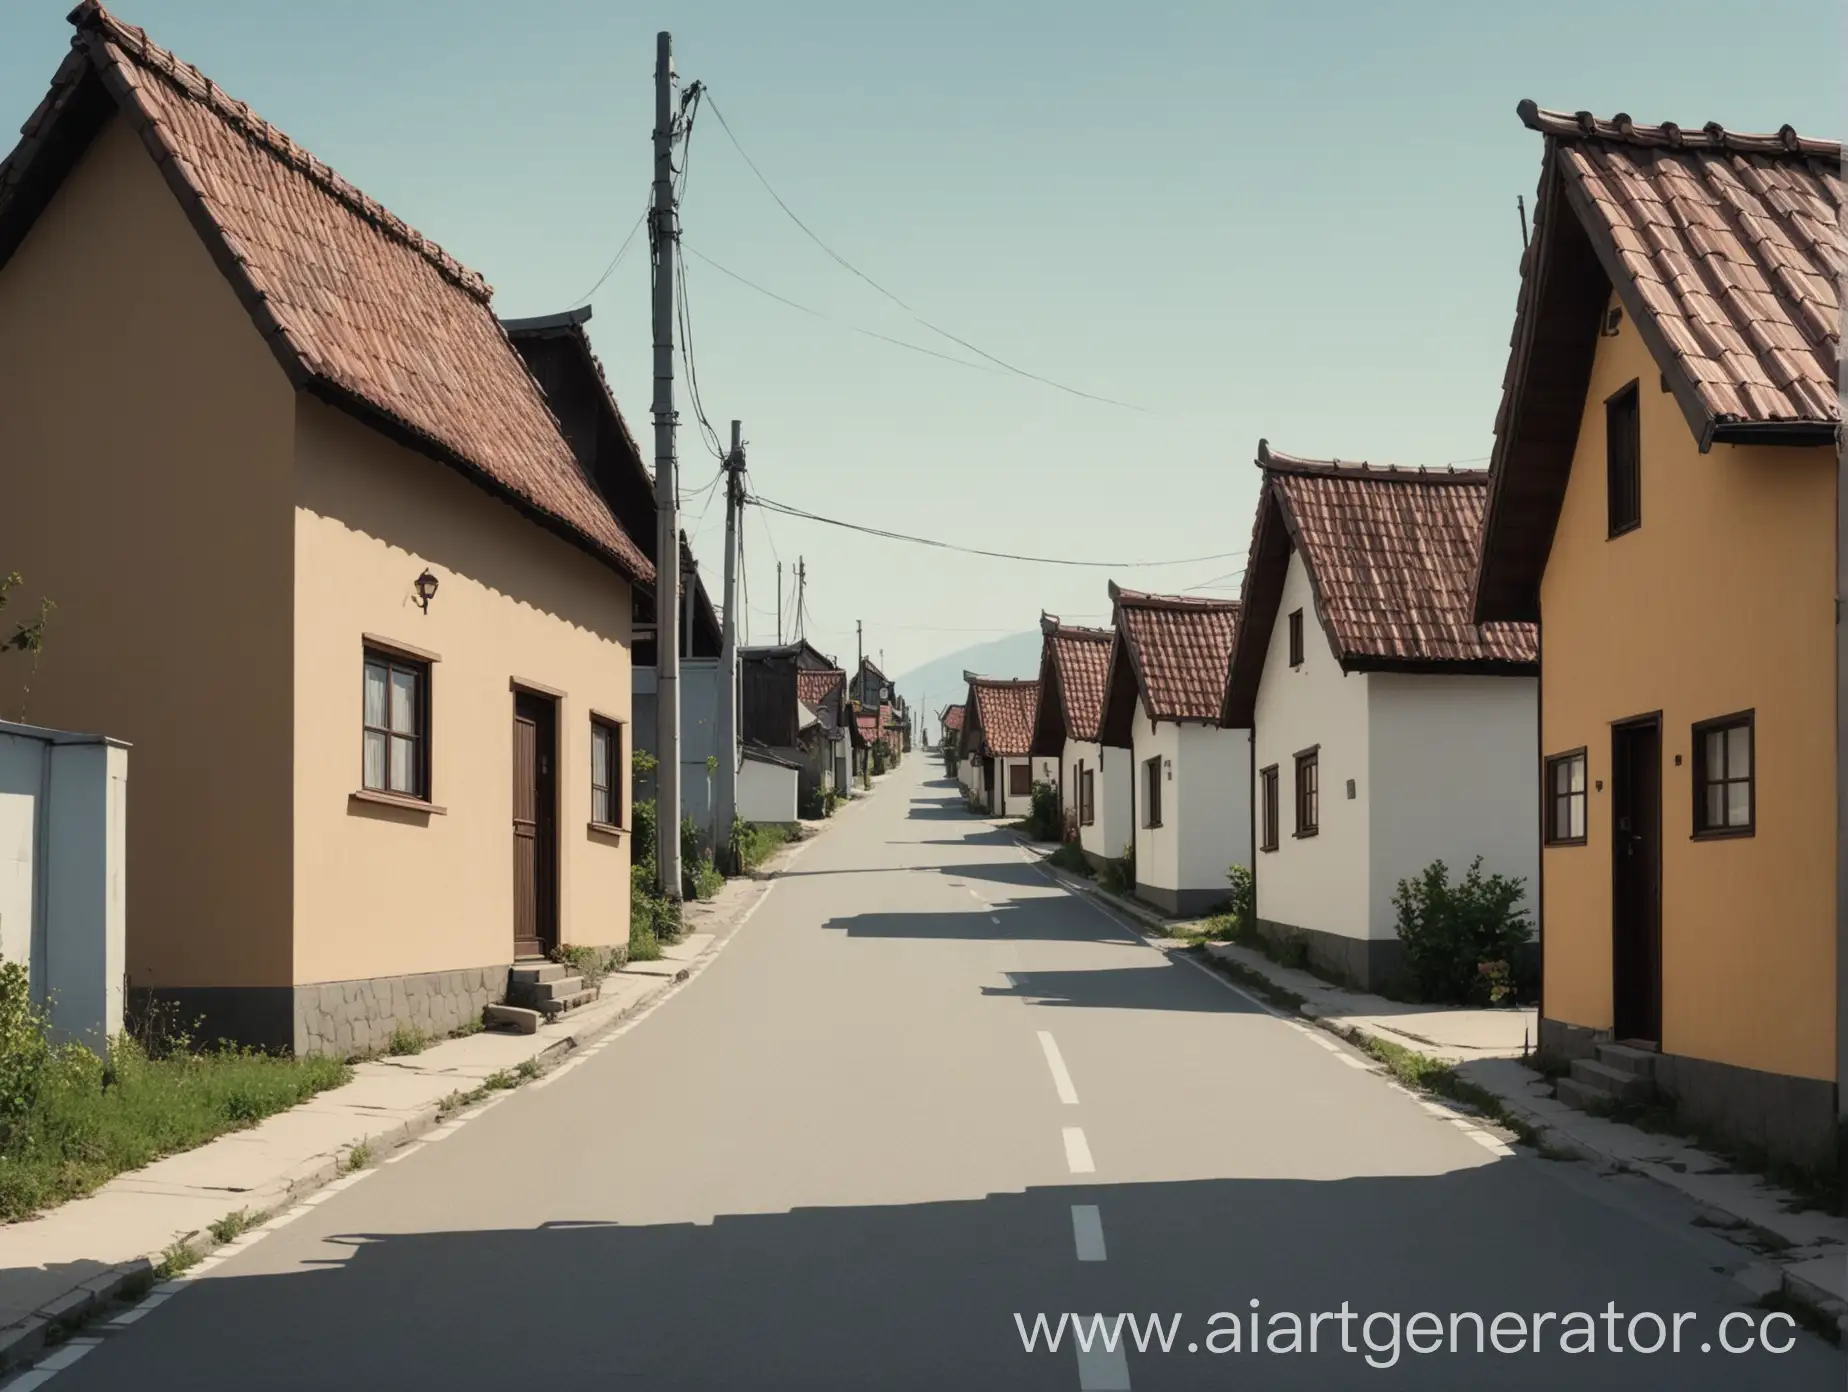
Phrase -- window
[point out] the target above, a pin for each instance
(1724, 802)
(1623, 461)
(606, 805)
(1020, 780)
(1087, 805)
(1565, 799)
(397, 725)
(1151, 784)
(1308, 793)
(1296, 638)
(1267, 808)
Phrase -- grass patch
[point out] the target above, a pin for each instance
(358, 1158)
(234, 1225)
(500, 1080)
(1254, 981)
(644, 946)
(406, 1040)
(87, 1122)
(754, 842)
(1819, 1322)
(1070, 857)
(527, 1070)
(177, 1257)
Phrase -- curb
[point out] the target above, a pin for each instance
(57, 1318)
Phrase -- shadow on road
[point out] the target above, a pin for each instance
(1042, 921)
(1163, 984)
(925, 1296)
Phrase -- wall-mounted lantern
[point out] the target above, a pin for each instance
(426, 590)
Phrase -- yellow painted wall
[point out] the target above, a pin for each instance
(145, 435)
(380, 891)
(1722, 600)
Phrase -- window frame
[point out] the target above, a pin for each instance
(1550, 814)
(1087, 795)
(1308, 800)
(420, 667)
(1151, 792)
(615, 730)
(1296, 637)
(1623, 409)
(1270, 809)
(1014, 770)
(1746, 720)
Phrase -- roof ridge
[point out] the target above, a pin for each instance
(1277, 462)
(1143, 599)
(92, 19)
(1582, 125)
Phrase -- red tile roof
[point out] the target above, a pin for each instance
(1005, 712)
(866, 727)
(952, 718)
(1178, 648)
(356, 305)
(817, 687)
(1730, 246)
(1081, 657)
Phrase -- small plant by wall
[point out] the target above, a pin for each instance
(1460, 939)
(1119, 875)
(1043, 818)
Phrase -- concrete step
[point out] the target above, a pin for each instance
(532, 973)
(1616, 1084)
(537, 993)
(1578, 1095)
(1626, 1059)
(564, 1004)
(516, 1018)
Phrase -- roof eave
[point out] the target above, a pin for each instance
(1441, 666)
(1796, 434)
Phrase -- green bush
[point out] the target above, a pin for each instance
(25, 1055)
(1119, 875)
(592, 963)
(1450, 932)
(1043, 818)
(1070, 857)
(1242, 909)
(753, 842)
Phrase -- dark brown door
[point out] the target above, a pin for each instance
(535, 825)
(1636, 875)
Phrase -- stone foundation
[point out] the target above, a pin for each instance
(1368, 964)
(1181, 903)
(331, 1017)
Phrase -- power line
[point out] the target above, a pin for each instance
(839, 323)
(848, 265)
(615, 260)
(786, 510)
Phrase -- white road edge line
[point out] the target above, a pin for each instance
(1088, 1232)
(1078, 1152)
(1061, 1078)
(1103, 1370)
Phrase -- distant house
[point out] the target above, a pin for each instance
(823, 690)
(950, 723)
(1074, 665)
(865, 734)
(767, 786)
(1389, 730)
(1186, 779)
(998, 739)
(1663, 501)
(320, 552)
(871, 687)
(773, 715)
(557, 351)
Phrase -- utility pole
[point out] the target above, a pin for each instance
(665, 230)
(779, 604)
(728, 662)
(859, 648)
(801, 592)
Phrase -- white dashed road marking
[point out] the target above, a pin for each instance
(1061, 1079)
(1088, 1232)
(1078, 1151)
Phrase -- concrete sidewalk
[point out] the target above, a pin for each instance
(1803, 1251)
(56, 1268)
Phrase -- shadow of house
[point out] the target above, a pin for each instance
(925, 1296)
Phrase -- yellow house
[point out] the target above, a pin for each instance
(320, 551)
(1663, 502)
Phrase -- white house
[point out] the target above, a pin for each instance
(1000, 769)
(766, 785)
(1074, 665)
(1389, 730)
(1185, 779)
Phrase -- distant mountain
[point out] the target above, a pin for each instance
(939, 683)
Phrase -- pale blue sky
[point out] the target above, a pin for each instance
(1290, 219)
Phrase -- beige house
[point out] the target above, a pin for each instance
(320, 553)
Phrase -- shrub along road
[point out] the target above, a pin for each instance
(925, 1091)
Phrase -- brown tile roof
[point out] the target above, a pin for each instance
(1004, 712)
(952, 718)
(1730, 246)
(866, 727)
(1725, 252)
(1177, 648)
(357, 306)
(1080, 659)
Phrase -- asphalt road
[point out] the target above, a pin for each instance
(922, 1096)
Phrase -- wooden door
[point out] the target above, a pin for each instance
(535, 826)
(1636, 880)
